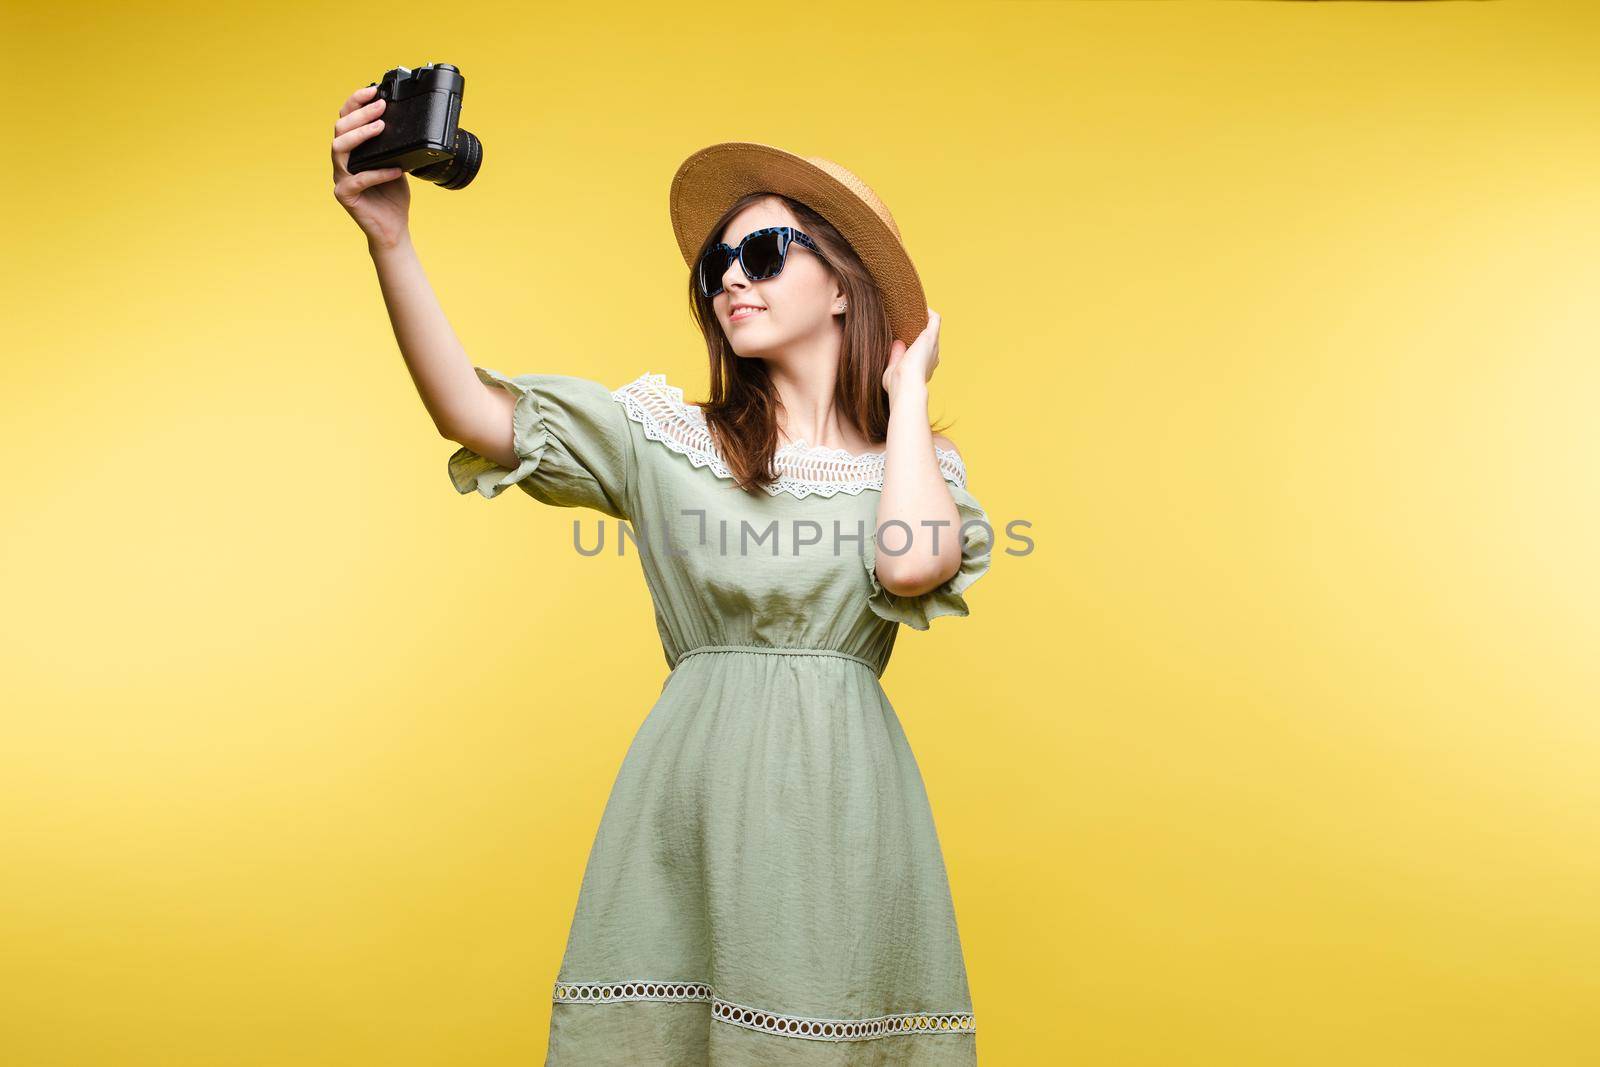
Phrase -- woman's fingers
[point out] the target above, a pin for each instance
(349, 121)
(355, 183)
(345, 142)
(357, 121)
(357, 98)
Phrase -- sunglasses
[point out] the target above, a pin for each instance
(761, 255)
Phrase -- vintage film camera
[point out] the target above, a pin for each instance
(420, 133)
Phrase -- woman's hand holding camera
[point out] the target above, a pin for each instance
(379, 204)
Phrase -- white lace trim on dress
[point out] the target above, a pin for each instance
(803, 469)
(768, 1022)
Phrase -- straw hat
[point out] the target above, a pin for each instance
(710, 181)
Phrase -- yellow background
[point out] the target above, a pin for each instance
(1276, 320)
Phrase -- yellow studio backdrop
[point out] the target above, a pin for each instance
(1277, 322)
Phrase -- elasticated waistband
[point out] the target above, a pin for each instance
(776, 650)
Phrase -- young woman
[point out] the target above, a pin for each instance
(766, 885)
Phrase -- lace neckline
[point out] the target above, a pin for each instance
(803, 469)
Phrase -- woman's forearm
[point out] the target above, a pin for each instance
(440, 368)
(914, 493)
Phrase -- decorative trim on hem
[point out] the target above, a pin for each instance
(768, 1022)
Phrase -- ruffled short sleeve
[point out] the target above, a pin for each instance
(572, 440)
(977, 542)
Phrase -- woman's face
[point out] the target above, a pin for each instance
(798, 305)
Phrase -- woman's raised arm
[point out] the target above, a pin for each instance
(463, 408)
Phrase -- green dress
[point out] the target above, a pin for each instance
(766, 885)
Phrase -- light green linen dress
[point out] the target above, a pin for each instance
(766, 885)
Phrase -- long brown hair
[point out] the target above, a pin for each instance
(742, 410)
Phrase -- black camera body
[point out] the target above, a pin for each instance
(421, 133)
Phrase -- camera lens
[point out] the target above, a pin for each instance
(457, 171)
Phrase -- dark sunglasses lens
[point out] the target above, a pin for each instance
(713, 265)
(763, 256)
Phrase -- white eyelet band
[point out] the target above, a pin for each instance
(803, 469)
(768, 1022)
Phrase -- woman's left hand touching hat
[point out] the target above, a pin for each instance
(914, 364)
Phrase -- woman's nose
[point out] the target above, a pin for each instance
(734, 275)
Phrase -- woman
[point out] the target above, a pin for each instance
(766, 885)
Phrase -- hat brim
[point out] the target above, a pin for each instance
(713, 179)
